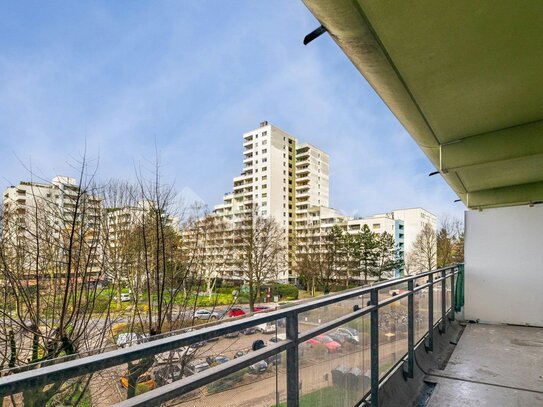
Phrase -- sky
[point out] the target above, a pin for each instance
(125, 81)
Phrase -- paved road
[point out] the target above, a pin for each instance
(261, 392)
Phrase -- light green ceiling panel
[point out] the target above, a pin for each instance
(465, 78)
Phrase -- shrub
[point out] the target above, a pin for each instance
(224, 290)
(287, 291)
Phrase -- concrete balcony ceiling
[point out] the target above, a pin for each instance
(465, 80)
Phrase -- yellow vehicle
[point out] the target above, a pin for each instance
(145, 379)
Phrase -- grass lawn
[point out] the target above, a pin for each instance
(327, 396)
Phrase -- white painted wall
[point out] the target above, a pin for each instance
(504, 265)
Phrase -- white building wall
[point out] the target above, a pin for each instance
(414, 220)
(504, 265)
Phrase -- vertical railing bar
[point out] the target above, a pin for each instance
(431, 313)
(443, 302)
(374, 335)
(293, 381)
(452, 294)
(411, 329)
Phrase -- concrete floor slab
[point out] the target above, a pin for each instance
(492, 365)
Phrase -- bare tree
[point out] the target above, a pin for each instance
(51, 268)
(322, 257)
(450, 242)
(424, 250)
(260, 250)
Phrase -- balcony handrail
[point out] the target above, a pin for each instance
(62, 371)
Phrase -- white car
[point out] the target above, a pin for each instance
(127, 339)
(205, 314)
(268, 328)
(124, 297)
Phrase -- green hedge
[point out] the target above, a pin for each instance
(285, 291)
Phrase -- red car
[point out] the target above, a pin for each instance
(235, 312)
(325, 340)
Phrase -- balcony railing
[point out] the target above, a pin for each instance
(380, 324)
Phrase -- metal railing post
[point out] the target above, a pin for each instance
(431, 313)
(444, 301)
(293, 380)
(452, 294)
(411, 329)
(374, 335)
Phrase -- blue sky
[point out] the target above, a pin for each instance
(189, 77)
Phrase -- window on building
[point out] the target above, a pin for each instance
(264, 178)
(376, 225)
(264, 186)
(264, 151)
(264, 203)
(264, 133)
(264, 160)
(264, 168)
(264, 142)
(264, 212)
(265, 195)
(284, 189)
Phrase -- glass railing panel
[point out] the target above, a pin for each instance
(448, 290)
(392, 335)
(437, 300)
(313, 318)
(420, 308)
(335, 367)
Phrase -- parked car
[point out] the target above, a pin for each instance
(331, 345)
(204, 314)
(236, 312)
(197, 366)
(168, 374)
(198, 345)
(351, 334)
(249, 331)
(339, 337)
(175, 356)
(126, 339)
(268, 328)
(258, 367)
(124, 297)
(145, 378)
(278, 338)
(217, 360)
(274, 360)
(232, 334)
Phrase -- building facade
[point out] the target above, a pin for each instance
(289, 182)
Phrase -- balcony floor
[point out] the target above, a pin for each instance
(492, 365)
